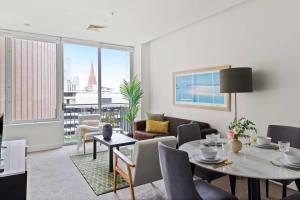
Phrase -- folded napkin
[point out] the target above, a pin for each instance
(222, 164)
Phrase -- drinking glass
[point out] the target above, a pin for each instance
(225, 150)
(284, 146)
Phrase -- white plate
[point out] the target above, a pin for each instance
(283, 161)
(265, 146)
(292, 164)
(203, 160)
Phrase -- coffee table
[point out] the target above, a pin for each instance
(117, 140)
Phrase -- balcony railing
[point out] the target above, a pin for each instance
(110, 113)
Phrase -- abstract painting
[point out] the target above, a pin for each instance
(200, 88)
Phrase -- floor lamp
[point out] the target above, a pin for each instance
(236, 80)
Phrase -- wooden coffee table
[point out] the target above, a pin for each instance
(117, 140)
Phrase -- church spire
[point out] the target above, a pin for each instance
(92, 83)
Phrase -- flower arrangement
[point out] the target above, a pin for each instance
(238, 128)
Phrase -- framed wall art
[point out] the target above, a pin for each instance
(200, 88)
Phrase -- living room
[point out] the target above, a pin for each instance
(172, 53)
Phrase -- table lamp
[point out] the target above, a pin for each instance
(236, 80)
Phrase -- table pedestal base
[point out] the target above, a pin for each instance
(253, 189)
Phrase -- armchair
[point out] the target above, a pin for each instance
(143, 166)
(88, 126)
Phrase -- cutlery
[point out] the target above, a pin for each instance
(222, 164)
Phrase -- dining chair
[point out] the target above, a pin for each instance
(284, 133)
(1, 125)
(295, 196)
(191, 132)
(178, 178)
(143, 167)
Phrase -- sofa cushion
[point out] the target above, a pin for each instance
(156, 117)
(143, 135)
(157, 126)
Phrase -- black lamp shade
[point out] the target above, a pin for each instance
(236, 80)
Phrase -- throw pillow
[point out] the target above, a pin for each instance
(155, 117)
(157, 126)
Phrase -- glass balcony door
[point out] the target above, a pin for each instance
(115, 68)
(81, 85)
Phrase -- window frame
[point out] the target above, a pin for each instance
(59, 41)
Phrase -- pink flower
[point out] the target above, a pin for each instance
(231, 134)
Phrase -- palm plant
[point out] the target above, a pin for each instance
(132, 92)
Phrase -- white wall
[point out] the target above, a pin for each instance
(263, 34)
(39, 136)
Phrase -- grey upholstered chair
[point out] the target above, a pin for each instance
(143, 167)
(295, 196)
(178, 178)
(284, 133)
(1, 125)
(191, 132)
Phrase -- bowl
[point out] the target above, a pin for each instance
(212, 138)
(292, 157)
(261, 140)
(209, 153)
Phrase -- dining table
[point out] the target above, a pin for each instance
(251, 162)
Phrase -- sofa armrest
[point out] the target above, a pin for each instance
(139, 125)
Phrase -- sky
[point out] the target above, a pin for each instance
(115, 64)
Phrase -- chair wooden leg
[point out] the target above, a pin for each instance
(115, 181)
(267, 188)
(284, 188)
(84, 147)
(130, 183)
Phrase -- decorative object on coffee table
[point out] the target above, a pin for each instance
(237, 129)
(107, 131)
(132, 92)
(200, 88)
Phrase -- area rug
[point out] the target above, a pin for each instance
(96, 172)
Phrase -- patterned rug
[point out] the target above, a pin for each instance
(96, 172)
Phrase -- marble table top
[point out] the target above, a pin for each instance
(251, 162)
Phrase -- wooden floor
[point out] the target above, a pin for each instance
(242, 188)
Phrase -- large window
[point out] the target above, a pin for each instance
(46, 78)
(33, 95)
(2, 75)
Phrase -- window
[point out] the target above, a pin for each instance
(34, 82)
(2, 75)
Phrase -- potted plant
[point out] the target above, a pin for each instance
(132, 92)
(237, 129)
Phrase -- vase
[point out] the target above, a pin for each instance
(107, 131)
(236, 145)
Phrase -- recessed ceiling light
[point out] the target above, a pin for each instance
(97, 28)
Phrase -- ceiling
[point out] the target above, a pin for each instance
(129, 22)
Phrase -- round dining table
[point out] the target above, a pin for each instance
(251, 162)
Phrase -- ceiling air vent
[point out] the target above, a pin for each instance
(97, 28)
